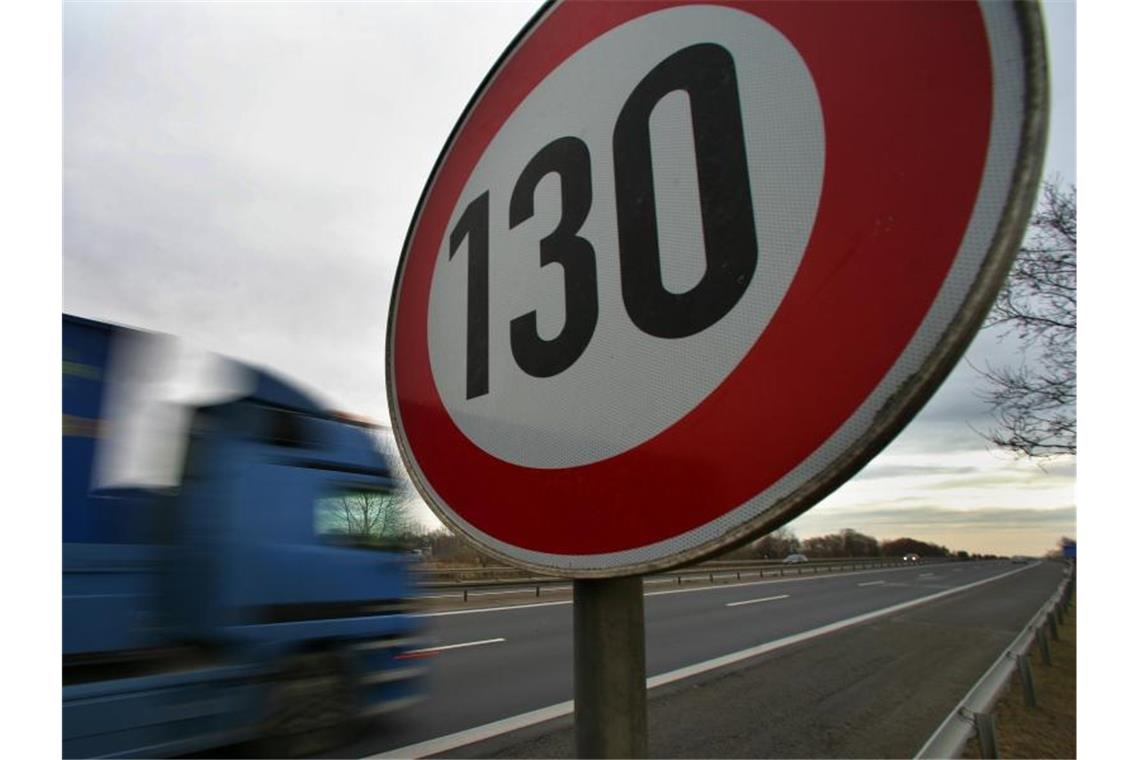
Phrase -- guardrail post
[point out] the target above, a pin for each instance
(1043, 646)
(536, 589)
(1053, 626)
(710, 578)
(465, 595)
(1059, 608)
(986, 725)
(1028, 689)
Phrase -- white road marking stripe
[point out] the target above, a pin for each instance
(648, 593)
(432, 650)
(757, 601)
(720, 587)
(504, 608)
(506, 725)
(873, 583)
(926, 575)
(789, 579)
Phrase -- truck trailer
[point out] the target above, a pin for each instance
(225, 610)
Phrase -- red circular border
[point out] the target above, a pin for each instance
(906, 94)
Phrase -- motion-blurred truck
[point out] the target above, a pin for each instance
(221, 611)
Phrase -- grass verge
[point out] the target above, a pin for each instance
(1048, 730)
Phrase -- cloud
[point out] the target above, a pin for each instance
(985, 518)
(878, 472)
(243, 175)
(999, 530)
(999, 479)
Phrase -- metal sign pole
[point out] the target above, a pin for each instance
(610, 716)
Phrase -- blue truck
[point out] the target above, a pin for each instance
(223, 610)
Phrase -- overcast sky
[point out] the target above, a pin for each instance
(243, 175)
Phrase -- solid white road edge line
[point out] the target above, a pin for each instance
(873, 583)
(514, 723)
(757, 601)
(427, 650)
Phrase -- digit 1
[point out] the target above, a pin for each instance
(474, 227)
(707, 73)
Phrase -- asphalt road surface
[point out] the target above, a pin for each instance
(863, 664)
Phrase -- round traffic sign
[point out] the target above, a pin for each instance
(683, 268)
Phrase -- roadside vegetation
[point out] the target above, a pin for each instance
(1034, 402)
(444, 548)
(1048, 730)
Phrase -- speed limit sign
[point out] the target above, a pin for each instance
(683, 268)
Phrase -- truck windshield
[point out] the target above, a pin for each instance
(373, 518)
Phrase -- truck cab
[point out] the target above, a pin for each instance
(238, 605)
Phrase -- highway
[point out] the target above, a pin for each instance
(805, 648)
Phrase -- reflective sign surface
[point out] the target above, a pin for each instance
(682, 269)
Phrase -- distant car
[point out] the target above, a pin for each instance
(1019, 559)
(794, 559)
(910, 558)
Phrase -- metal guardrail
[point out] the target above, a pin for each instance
(502, 578)
(974, 715)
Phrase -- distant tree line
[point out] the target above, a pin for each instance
(846, 543)
(441, 545)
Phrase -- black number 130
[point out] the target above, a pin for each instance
(707, 74)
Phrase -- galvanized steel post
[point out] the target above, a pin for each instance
(1028, 689)
(610, 713)
(1043, 646)
(987, 734)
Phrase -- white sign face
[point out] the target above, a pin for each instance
(683, 268)
(513, 419)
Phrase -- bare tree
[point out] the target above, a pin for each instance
(370, 516)
(777, 544)
(1034, 403)
(899, 546)
(856, 544)
(1059, 551)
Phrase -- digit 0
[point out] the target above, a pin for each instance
(707, 73)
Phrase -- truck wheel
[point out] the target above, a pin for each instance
(310, 708)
